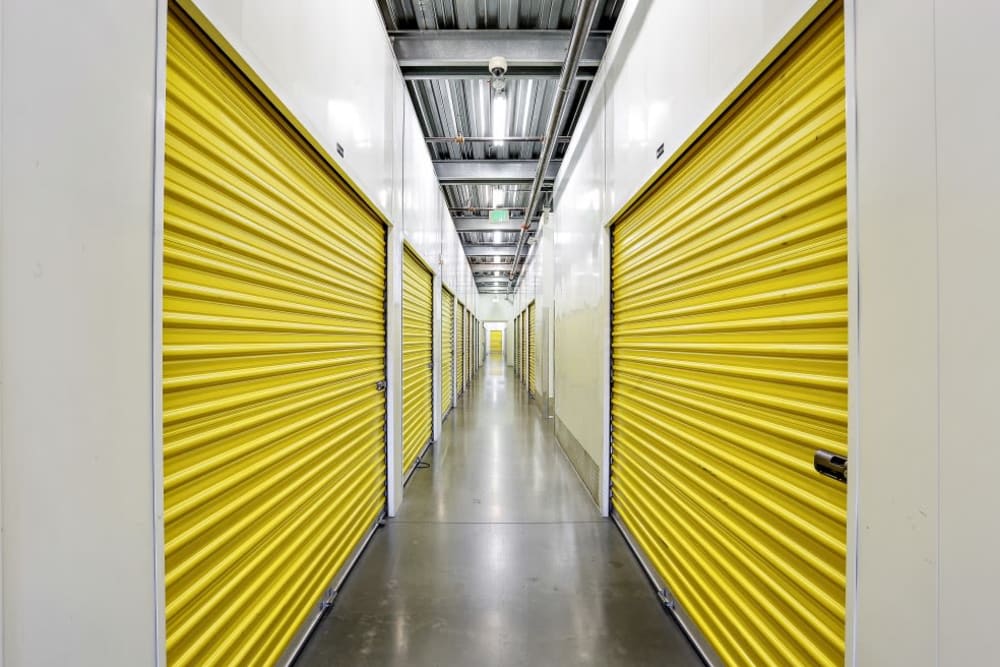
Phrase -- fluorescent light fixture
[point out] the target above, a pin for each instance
(497, 237)
(498, 197)
(499, 117)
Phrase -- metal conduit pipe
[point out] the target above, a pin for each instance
(586, 11)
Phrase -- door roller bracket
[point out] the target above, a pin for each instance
(830, 465)
(665, 599)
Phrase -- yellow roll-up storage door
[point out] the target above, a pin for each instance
(729, 344)
(532, 344)
(467, 349)
(518, 330)
(520, 346)
(460, 350)
(496, 341)
(418, 357)
(447, 350)
(524, 348)
(517, 351)
(273, 343)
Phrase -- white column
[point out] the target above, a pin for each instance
(77, 304)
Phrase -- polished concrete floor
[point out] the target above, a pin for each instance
(498, 557)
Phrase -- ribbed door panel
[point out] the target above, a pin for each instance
(418, 357)
(520, 346)
(517, 346)
(447, 350)
(729, 345)
(460, 350)
(524, 348)
(496, 341)
(532, 343)
(517, 349)
(467, 348)
(273, 342)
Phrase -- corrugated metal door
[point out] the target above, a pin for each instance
(273, 343)
(468, 346)
(532, 344)
(517, 347)
(460, 350)
(729, 344)
(447, 350)
(496, 341)
(418, 351)
(524, 348)
(520, 347)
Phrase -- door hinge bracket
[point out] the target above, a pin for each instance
(666, 600)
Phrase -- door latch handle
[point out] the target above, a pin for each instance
(831, 465)
(380, 385)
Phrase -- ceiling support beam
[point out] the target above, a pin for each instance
(483, 224)
(489, 250)
(491, 172)
(464, 54)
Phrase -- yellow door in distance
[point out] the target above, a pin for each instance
(418, 350)
(460, 350)
(532, 344)
(447, 350)
(496, 341)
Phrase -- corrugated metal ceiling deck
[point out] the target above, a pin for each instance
(490, 14)
(459, 105)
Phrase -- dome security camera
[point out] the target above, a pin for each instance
(498, 66)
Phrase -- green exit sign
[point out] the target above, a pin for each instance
(499, 215)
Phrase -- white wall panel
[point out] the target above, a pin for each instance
(968, 145)
(494, 308)
(421, 193)
(671, 64)
(77, 298)
(898, 375)
(581, 285)
(335, 71)
(927, 226)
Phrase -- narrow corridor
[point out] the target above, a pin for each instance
(498, 557)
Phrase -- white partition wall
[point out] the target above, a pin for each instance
(926, 216)
(78, 212)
